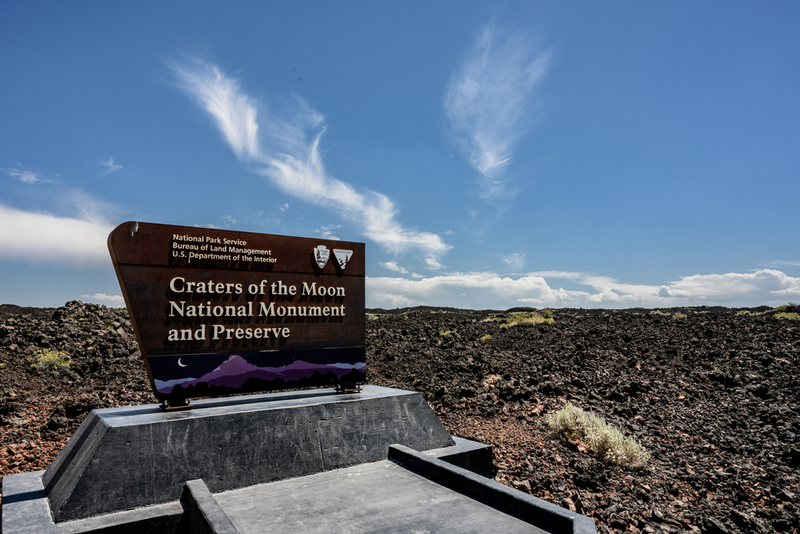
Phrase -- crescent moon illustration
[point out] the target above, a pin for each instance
(181, 364)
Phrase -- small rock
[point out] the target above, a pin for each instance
(569, 503)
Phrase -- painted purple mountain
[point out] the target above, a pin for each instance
(235, 371)
(300, 369)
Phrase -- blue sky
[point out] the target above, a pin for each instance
(490, 155)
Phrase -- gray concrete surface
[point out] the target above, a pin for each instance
(470, 455)
(125, 458)
(379, 497)
(543, 514)
(310, 461)
(202, 512)
(26, 510)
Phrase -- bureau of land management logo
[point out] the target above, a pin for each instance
(321, 255)
(342, 256)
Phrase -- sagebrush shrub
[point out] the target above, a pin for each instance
(52, 361)
(603, 439)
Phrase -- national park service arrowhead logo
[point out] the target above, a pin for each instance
(321, 255)
(342, 257)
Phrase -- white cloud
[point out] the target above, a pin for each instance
(464, 290)
(433, 264)
(110, 165)
(285, 149)
(557, 274)
(488, 103)
(234, 112)
(786, 263)
(47, 238)
(327, 231)
(515, 261)
(25, 176)
(768, 286)
(115, 301)
(393, 266)
(488, 290)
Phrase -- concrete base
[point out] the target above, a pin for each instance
(230, 443)
(412, 492)
(367, 462)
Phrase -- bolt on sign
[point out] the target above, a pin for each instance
(218, 312)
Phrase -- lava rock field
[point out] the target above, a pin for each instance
(713, 394)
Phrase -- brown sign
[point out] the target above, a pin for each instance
(218, 312)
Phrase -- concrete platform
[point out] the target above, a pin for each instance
(427, 495)
(230, 443)
(310, 461)
(379, 497)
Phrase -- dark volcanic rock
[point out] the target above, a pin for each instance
(712, 396)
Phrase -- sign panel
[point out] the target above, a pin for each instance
(219, 312)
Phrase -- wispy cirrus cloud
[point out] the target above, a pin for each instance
(515, 261)
(41, 237)
(110, 166)
(488, 290)
(489, 100)
(327, 231)
(784, 263)
(25, 176)
(393, 266)
(286, 149)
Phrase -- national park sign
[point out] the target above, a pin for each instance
(219, 312)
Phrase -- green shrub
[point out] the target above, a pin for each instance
(603, 439)
(743, 313)
(788, 315)
(487, 337)
(52, 361)
(678, 316)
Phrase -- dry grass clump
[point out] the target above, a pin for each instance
(52, 361)
(603, 439)
(781, 312)
(676, 316)
(524, 318)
